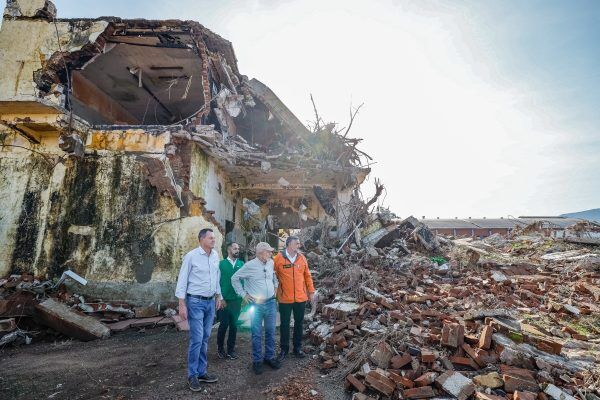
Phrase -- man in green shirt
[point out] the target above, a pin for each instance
(228, 315)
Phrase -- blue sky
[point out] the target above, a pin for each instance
(472, 108)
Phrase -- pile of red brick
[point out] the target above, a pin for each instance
(488, 330)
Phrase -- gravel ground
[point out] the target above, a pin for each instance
(149, 364)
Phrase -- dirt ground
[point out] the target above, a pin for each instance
(149, 364)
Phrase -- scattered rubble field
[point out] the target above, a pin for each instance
(136, 365)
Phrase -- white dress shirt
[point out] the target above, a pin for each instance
(199, 274)
(293, 260)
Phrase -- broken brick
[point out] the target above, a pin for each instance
(426, 379)
(485, 340)
(465, 361)
(519, 395)
(513, 383)
(473, 354)
(401, 380)
(485, 396)
(401, 361)
(453, 335)
(423, 392)
(427, 356)
(381, 355)
(356, 384)
(381, 383)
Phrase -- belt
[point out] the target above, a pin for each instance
(265, 300)
(201, 297)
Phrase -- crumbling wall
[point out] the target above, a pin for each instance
(21, 59)
(97, 215)
(209, 182)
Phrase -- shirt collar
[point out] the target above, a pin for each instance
(288, 255)
(204, 252)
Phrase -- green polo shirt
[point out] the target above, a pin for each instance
(227, 271)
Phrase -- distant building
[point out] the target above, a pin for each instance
(483, 227)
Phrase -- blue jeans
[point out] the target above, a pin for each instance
(200, 318)
(266, 312)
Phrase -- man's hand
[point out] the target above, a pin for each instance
(311, 297)
(219, 303)
(249, 299)
(182, 309)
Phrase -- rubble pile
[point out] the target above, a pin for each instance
(43, 310)
(405, 314)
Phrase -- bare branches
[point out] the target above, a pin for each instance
(378, 190)
(352, 116)
(318, 121)
(332, 143)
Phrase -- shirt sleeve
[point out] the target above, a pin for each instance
(275, 280)
(308, 279)
(182, 280)
(218, 279)
(236, 280)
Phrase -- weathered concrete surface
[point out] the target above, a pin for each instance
(60, 317)
(98, 216)
(20, 59)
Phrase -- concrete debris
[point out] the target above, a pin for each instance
(17, 337)
(557, 394)
(479, 328)
(24, 305)
(456, 384)
(8, 325)
(402, 312)
(63, 319)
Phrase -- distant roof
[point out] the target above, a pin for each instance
(590, 215)
(447, 223)
(498, 223)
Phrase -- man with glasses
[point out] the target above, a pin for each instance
(258, 290)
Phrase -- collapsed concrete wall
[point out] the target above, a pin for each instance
(121, 139)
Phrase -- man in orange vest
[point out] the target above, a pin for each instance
(295, 289)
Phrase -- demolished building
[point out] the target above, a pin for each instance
(120, 139)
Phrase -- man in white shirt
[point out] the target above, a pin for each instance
(199, 293)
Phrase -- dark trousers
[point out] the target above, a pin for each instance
(285, 312)
(228, 318)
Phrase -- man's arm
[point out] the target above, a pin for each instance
(308, 281)
(219, 303)
(182, 282)
(236, 281)
(275, 280)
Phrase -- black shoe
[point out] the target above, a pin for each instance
(257, 367)
(221, 354)
(208, 378)
(282, 355)
(194, 384)
(232, 355)
(299, 354)
(273, 363)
